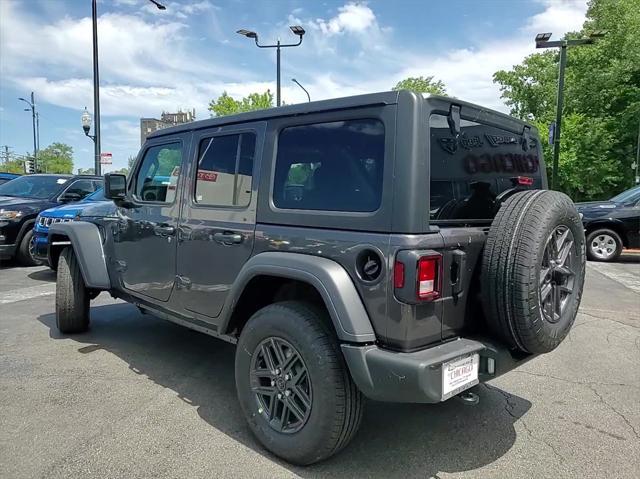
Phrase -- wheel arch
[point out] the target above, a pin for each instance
(86, 241)
(276, 276)
(610, 224)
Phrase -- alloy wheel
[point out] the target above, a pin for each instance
(557, 273)
(603, 246)
(280, 382)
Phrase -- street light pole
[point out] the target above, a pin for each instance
(542, 41)
(96, 88)
(303, 88)
(297, 30)
(32, 107)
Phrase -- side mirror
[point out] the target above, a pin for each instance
(70, 197)
(115, 186)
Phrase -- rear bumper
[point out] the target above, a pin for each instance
(416, 377)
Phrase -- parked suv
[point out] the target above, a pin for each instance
(391, 246)
(22, 198)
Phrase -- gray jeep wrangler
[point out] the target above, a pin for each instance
(390, 246)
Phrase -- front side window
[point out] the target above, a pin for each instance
(225, 170)
(335, 166)
(82, 188)
(157, 178)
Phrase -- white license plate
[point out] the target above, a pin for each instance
(459, 374)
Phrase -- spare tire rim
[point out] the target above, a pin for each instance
(603, 246)
(557, 273)
(280, 382)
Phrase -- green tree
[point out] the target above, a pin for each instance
(422, 85)
(56, 158)
(13, 165)
(86, 171)
(602, 100)
(226, 105)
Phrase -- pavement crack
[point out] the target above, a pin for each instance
(622, 416)
(570, 381)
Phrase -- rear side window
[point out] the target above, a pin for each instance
(335, 166)
(157, 178)
(225, 170)
(472, 173)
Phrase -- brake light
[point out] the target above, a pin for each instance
(398, 275)
(525, 180)
(428, 287)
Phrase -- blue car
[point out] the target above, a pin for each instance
(59, 214)
(4, 177)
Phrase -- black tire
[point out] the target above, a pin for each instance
(25, 255)
(335, 402)
(604, 245)
(530, 293)
(72, 296)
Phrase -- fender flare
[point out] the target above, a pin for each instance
(87, 245)
(26, 226)
(349, 317)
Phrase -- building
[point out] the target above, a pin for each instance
(149, 125)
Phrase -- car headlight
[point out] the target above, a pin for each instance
(10, 214)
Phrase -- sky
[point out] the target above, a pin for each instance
(181, 58)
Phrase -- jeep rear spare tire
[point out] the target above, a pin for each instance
(72, 296)
(533, 270)
(293, 384)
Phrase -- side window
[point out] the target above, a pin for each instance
(157, 178)
(225, 170)
(334, 166)
(81, 187)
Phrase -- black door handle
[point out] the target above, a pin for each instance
(228, 237)
(165, 230)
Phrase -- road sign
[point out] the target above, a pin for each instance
(105, 158)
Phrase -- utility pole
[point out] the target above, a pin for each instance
(637, 179)
(96, 89)
(542, 41)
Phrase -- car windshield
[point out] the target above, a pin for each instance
(39, 187)
(629, 196)
(98, 195)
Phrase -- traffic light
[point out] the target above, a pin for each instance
(29, 167)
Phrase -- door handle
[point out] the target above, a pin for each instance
(228, 238)
(165, 230)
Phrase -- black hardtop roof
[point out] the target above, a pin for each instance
(369, 99)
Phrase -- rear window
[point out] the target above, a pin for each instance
(472, 173)
(335, 166)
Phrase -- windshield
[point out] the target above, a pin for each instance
(39, 187)
(98, 195)
(629, 196)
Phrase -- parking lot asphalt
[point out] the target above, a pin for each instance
(140, 397)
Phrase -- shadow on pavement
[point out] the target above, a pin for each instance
(627, 257)
(43, 275)
(407, 439)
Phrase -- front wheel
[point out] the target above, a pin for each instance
(603, 245)
(72, 296)
(26, 250)
(293, 384)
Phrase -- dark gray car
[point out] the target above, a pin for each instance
(389, 246)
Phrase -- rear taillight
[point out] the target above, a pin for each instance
(428, 287)
(524, 180)
(417, 276)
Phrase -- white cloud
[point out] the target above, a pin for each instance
(352, 18)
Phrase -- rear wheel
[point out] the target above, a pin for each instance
(293, 385)
(72, 296)
(533, 270)
(603, 245)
